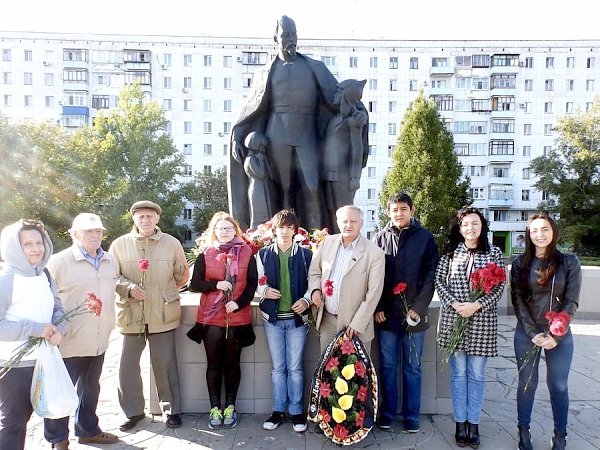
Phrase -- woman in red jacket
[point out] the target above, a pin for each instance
(225, 274)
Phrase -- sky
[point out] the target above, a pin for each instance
(324, 19)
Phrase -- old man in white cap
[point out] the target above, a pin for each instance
(79, 270)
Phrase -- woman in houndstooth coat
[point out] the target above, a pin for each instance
(467, 251)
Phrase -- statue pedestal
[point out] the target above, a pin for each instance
(254, 395)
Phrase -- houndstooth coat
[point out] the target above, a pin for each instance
(452, 285)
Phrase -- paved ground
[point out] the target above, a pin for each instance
(498, 427)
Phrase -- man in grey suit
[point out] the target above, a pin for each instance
(346, 280)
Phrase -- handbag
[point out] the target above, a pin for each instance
(53, 394)
(244, 335)
(197, 332)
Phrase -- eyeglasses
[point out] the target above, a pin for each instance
(225, 229)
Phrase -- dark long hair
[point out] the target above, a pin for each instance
(455, 238)
(551, 258)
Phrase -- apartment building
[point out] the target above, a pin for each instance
(500, 99)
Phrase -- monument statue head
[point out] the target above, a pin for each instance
(286, 37)
(349, 92)
(256, 141)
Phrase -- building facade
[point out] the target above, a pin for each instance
(500, 99)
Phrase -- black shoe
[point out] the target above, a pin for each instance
(559, 441)
(273, 422)
(461, 434)
(384, 423)
(524, 438)
(173, 420)
(131, 422)
(473, 435)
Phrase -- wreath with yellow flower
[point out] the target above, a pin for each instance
(344, 391)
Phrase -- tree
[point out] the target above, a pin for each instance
(425, 166)
(208, 193)
(570, 175)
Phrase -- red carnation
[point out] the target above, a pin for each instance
(221, 257)
(549, 316)
(262, 280)
(143, 264)
(400, 288)
(325, 416)
(94, 304)
(360, 419)
(347, 347)
(560, 324)
(324, 390)
(332, 363)
(360, 369)
(340, 431)
(328, 288)
(362, 394)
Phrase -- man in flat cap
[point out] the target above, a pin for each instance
(79, 270)
(153, 268)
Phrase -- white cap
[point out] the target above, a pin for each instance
(87, 221)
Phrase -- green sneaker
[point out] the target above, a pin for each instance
(230, 419)
(215, 418)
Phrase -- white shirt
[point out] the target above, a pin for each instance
(342, 258)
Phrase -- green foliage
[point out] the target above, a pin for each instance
(570, 174)
(425, 166)
(208, 193)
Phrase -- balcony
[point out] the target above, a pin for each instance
(504, 181)
(441, 70)
(501, 159)
(500, 202)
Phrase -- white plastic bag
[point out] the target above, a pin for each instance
(52, 392)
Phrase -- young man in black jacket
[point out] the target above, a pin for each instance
(402, 315)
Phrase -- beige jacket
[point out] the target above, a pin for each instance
(361, 285)
(167, 273)
(87, 335)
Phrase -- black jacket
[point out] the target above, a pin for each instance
(411, 255)
(531, 304)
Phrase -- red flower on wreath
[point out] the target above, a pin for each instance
(324, 390)
(347, 347)
(340, 431)
(360, 369)
(400, 288)
(360, 419)
(325, 416)
(328, 288)
(332, 363)
(362, 394)
(262, 280)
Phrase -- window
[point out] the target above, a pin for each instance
(167, 59)
(207, 60)
(527, 129)
(328, 60)
(74, 120)
(438, 84)
(547, 129)
(49, 79)
(371, 215)
(6, 78)
(501, 215)
(76, 54)
(373, 62)
(28, 56)
(207, 105)
(100, 101)
(414, 63)
(187, 127)
(476, 171)
(207, 127)
(549, 85)
(529, 62)
(588, 106)
(227, 105)
(481, 60)
(570, 85)
(371, 172)
(28, 101)
(569, 107)
(526, 173)
(526, 150)
(227, 61)
(75, 98)
(373, 84)
(353, 62)
(529, 85)
(372, 106)
(443, 102)
(477, 193)
(207, 149)
(207, 83)
(589, 85)
(226, 83)
(390, 150)
(570, 62)
(500, 172)
(167, 104)
(253, 58)
(526, 107)
(167, 82)
(470, 127)
(372, 127)
(371, 194)
(393, 106)
(226, 128)
(247, 80)
(525, 215)
(547, 149)
(187, 170)
(187, 105)
(187, 82)
(439, 62)
(7, 100)
(589, 64)
(413, 85)
(501, 193)
(49, 101)
(480, 83)
(477, 149)
(187, 214)
(393, 62)
(505, 60)
(6, 54)
(462, 105)
(27, 78)
(548, 107)
(503, 103)
(549, 62)
(187, 60)
(372, 150)
(169, 127)
(393, 85)
(462, 83)
(207, 169)
(502, 147)
(504, 81)
(187, 149)
(392, 129)
(462, 61)
(461, 149)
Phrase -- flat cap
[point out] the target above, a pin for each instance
(145, 204)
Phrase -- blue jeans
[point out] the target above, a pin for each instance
(286, 346)
(558, 365)
(85, 372)
(467, 386)
(389, 353)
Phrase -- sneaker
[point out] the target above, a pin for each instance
(273, 422)
(215, 419)
(412, 426)
(299, 421)
(173, 420)
(230, 417)
(384, 423)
